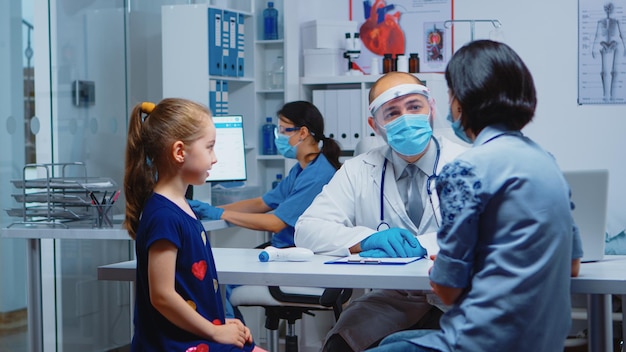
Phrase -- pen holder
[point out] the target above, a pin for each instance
(102, 215)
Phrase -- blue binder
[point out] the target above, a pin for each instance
(230, 45)
(224, 97)
(240, 45)
(215, 42)
(213, 96)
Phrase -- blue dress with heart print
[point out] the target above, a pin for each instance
(195, 280)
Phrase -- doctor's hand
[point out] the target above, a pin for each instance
(392, 243)
(205, 210)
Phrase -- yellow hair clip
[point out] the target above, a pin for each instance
(147, 107)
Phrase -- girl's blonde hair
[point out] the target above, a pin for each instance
(152, 131)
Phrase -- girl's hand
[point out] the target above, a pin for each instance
(231, 333)
(246, 329)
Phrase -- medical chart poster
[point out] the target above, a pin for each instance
(601, 50)
(404, 27)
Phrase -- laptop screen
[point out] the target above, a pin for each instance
(589, 195)
(229, 149)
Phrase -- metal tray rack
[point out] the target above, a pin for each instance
(56, 200)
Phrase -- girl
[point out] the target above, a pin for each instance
(178, 305)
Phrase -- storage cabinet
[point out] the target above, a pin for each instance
(188, 58)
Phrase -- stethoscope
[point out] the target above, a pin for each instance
(429, 180)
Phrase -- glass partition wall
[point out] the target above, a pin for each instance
(71, 74)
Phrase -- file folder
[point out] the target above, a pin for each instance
(224, 98)
(230, 44)
(218, 97)
(213, 96)
(215, 42)
(343, 118)
(240, 45)
(225, 43)
(356, 118)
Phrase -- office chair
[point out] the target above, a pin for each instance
(289, 303)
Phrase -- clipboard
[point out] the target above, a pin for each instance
(356, 259)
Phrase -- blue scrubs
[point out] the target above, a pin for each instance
(295, 193)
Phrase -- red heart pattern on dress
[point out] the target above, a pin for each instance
(203, 347)
(199, 269)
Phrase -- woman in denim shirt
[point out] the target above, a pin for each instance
(508, 242)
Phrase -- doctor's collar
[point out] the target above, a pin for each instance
(396, 92)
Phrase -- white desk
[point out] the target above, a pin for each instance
(241, 266)
(34, 235)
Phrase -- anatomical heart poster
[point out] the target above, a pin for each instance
(404, 27)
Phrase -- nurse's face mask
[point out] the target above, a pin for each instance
(402, 115)
(282, 135)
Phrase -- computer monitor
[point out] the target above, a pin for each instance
(229, 149)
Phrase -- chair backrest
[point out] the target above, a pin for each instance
(367, 143)
(331, 297)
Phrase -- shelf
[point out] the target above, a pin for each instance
(270, 42)
(349, 79)
(270, 91)
(270, 157)
(233, 78)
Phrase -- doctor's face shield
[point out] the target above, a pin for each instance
(401, 100)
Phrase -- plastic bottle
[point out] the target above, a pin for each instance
(279, 177)
(278, 73)
(402, 63)
(291, 254)
(267, 132)
(387, 63)
(414, 63)
(270, 22)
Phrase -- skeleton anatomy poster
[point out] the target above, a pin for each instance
(404, 27)
(601, 52)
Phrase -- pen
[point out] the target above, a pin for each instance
(104, 198)
(94, 200)
(114, 196)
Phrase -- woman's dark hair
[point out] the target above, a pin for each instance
(302, 113)
(492, 85)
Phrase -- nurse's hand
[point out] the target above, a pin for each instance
(206, 211)
(392, 243)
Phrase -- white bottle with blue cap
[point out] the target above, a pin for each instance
(291, 254)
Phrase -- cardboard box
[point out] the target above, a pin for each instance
(324, 62)
(326, 34)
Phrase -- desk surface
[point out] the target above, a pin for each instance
(241, 266)
(76, 233)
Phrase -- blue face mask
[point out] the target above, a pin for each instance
(409, 134)
(458, 129)
(284, 148)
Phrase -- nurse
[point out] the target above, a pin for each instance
(298, 135)
(367, 208)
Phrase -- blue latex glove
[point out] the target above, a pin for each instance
(206, 211)
(392, 243)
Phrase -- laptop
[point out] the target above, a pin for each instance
(590, 190)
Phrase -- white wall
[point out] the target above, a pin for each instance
(545, 35)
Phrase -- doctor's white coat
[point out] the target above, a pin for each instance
(348, 208)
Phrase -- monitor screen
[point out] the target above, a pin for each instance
(229, 149)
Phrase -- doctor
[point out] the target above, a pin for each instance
(371, 207)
